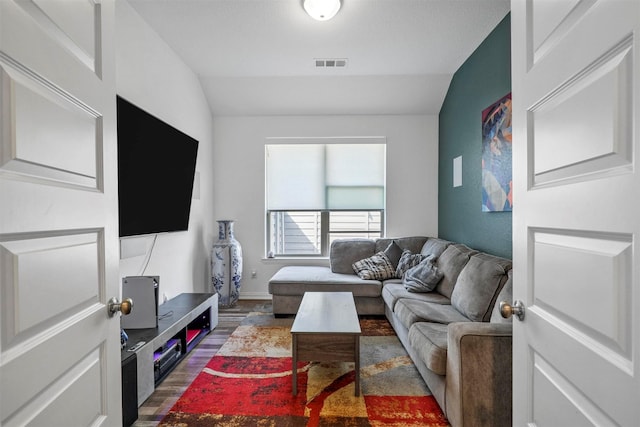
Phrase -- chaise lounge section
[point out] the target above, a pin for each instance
(290, 283)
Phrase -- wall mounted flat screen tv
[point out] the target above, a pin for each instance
(156, 167)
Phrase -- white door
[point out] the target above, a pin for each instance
(576, 82)
(59, 349)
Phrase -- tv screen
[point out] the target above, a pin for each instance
(156, 167)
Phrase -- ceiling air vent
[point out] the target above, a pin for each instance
(331, 63)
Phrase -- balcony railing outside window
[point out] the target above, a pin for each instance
(310, 233)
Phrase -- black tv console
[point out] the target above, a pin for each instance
(183, 322)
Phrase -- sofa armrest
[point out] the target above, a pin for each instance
(478, 380)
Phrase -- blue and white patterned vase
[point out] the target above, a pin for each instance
(226, 265)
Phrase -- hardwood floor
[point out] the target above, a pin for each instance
(168, 392)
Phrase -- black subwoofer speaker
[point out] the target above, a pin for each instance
(129, 390)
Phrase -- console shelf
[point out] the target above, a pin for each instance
(183, 322)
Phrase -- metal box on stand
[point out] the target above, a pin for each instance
(143, 290)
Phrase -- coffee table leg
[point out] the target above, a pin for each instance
(357, 367)
(294, 368)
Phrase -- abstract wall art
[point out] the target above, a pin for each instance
(497, 181)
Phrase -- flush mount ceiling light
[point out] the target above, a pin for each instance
(321, 10)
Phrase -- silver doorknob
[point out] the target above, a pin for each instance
(124, 307)
(507, 310)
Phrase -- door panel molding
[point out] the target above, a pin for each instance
(38, 267)
(551, 22)
(591, 114)
(42, 353)
(63, 395)
(26, 150)
(573, 407)
(73, 25)
(585, 280)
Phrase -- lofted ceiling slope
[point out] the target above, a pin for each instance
(257, 57)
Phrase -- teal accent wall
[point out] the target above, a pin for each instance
(483, 79)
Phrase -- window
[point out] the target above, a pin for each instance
(317, 193)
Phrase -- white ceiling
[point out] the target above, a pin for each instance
(256, 57)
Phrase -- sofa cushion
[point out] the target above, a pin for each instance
(296, 280)
(478, 285)
(407, 261)
(423, 277)
(506, 294)
(412, 244)
(392, 292)
(429, 341)
(375, 267)
(393, 252)
(451, 263)
(344, 252)
(410, 311)
(434, 246)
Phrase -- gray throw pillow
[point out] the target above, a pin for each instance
(424, 277)
(344, 252)
(393, 252)
(376, 267)
(408, 260)
(478, 285)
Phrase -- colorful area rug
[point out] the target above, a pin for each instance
(248, 383)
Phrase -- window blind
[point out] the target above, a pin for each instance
(325, 176)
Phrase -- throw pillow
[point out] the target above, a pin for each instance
(393, 252)
(376, 267)
(408, 260)
(424, 277)
(477, 286)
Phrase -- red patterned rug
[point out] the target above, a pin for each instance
(248, 383)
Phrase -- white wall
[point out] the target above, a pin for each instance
(238, 187)
(150, 75)
(231, 165)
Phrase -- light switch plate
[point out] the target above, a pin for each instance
(457, 171)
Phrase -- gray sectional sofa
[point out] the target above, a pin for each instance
(454, 334)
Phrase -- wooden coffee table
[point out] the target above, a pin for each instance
(326, 329)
